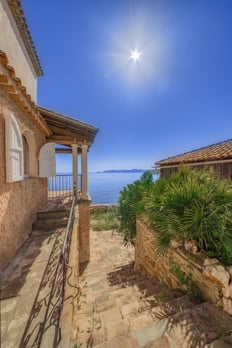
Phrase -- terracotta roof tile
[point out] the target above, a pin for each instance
(215, 152)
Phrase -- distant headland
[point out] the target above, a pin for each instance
(124, 171)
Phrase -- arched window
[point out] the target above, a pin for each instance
(14, 150)
(26, 161)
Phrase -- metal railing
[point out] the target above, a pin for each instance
(46, 312)
(62, 185)
(64, 266)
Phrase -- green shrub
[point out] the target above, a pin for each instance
(189, 205)
(130, 204)
(193, 205)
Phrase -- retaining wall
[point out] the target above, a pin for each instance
(212, 279)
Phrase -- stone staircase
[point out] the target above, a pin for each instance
(50, 220)
(31, 286)
(120, 308)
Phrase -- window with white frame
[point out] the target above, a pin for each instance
(14, 150)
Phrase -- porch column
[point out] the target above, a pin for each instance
(74, 168)
(84, 170)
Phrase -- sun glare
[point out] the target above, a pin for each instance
(135, 55)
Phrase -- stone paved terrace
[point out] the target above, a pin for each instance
(119, 308)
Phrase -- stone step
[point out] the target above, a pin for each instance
(160, 305)
(42, 232)
(205, 321)
(53, 214)
(173, 307)
(199, 326)
(49, 224)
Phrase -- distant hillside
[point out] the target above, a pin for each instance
(124, 171)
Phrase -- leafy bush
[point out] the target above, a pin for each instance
(189, 205)
(193, 205)
(130, 204)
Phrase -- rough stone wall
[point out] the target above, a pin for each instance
(212, 279)
(19, 201)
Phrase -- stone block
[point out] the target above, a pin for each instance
(217, 274)
(116, 329)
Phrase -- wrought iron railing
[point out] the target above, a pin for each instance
(64, 266)
(45, 317)
(62, 185)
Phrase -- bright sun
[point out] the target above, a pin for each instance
(135, 55)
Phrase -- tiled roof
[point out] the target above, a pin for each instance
(216, 152)
(52, 124)
(18, 14)
(66, 130)
(14, 88)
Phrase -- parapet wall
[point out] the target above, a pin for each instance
(19, 203)
(212, 279)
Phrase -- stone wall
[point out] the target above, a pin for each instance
(19, 201)
(212, 279)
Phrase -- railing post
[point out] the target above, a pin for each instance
(75, 171)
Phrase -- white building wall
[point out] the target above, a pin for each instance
(12, 44)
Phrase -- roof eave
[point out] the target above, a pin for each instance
(66, 130)
(20, 20)
(196, 163)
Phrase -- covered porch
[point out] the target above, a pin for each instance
(73, 137)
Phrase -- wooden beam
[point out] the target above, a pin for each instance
(63, 150)
(68, 139)
(66, 151)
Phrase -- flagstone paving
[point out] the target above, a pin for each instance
(120, 308)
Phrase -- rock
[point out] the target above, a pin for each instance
(175, 244)
(227, 291)
(229, 269)
(191, 247)
(227, 305)
(217, 274)
(209, 262)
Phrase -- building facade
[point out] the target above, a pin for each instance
(27, 133)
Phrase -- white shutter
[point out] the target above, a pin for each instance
(14, 150)
(47, 160)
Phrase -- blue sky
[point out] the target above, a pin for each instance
(176, 98)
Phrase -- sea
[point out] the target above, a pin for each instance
(103, 187)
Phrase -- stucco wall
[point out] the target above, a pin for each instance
(19, 201)
(84, 230)
(212, 279)
(12, 45)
